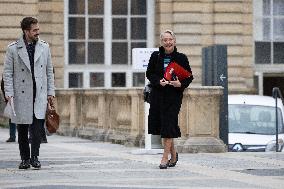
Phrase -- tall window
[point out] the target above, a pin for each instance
(86, 32)
(101, 35)
(269, 31)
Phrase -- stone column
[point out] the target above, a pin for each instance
(73, 112)
(202, 129)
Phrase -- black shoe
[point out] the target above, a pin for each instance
(174, 163)
(163, 166)
(11, 140)
(35, 163)
(25, 164)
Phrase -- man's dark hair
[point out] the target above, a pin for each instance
(27, 22)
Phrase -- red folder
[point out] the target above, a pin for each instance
(174, 69)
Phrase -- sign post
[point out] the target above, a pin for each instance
(140, 60)
(215, 73)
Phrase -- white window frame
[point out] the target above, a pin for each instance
(263, 69)
(107, 68)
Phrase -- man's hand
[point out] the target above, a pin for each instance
(175, 83)
(49, 97)
(163, 82)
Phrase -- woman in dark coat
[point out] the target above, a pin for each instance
(166, 95)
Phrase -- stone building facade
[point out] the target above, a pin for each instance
(197, 24)
(50, 15)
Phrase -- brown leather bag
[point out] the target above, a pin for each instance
(52, 118)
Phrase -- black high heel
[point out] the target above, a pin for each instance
(164, 166)
(170, 164)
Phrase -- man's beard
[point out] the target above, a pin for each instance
(35, 38)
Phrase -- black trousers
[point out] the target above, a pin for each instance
(23, 138)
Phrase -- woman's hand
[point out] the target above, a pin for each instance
(175, 83)
(163, 82)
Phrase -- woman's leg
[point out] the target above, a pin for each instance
(174, 156)
(173, 152)
(167, 150)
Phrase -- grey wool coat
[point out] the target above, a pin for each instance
(18, 81)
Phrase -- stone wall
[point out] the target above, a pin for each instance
(50, 14)
(107, 115)
(51, 18)
(117, 115)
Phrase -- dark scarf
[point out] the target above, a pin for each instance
(31, 52)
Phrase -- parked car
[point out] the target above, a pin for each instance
(252, 123)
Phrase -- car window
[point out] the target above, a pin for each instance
(254, 119)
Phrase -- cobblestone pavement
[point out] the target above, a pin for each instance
(74, 163)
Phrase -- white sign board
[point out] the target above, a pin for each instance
(140, 60)
(141, 56)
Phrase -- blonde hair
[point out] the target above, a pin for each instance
(167, 31)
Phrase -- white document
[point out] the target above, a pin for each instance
(9, 110)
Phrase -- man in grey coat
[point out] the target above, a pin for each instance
(29, 84)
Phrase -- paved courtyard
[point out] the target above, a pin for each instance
(74, 163)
